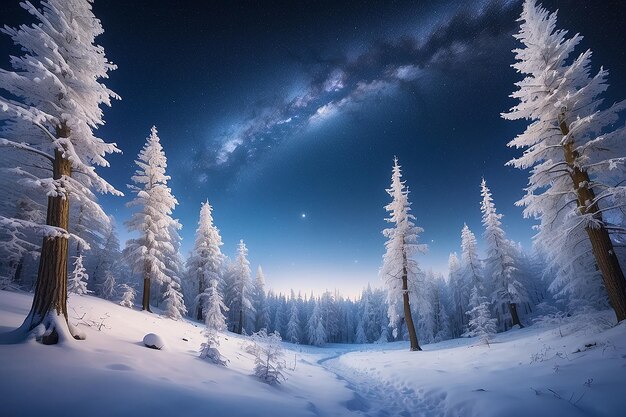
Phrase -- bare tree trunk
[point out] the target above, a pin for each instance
(240, 330)
(201, 288)
(407, 311)
(145, 301)
(601, 244)
(514, 315)
(51, 287)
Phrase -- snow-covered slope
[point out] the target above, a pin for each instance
(525, 372)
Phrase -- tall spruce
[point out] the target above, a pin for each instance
(508, 292)
(56, 89)
(576, 154)
(152, 252)
(400, 270)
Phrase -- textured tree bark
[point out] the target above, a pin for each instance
(51, 288)
(145, 301)
(407, 310)
(601, 244)
(240, 329)
(201, 288)
(514, 315)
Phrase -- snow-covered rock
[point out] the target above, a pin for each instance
(153, 341)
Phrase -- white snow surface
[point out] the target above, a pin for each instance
(533, 371)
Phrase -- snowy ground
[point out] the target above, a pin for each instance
(528, 372)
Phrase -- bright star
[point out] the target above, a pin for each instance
(303, 215)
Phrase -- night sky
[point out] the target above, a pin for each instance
(286, 117)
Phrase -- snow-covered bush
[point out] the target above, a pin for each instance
(128, 296)
(269, 362)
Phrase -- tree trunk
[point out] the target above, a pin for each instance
(407, 311)
(240, 330)
(145, 300)
(201, 288)
(514, 315)
(601, 244)
(51, 287)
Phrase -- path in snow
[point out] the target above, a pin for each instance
(374, 398)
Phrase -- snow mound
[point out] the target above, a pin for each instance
(153, 341)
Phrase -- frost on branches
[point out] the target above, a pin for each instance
(77, 283)
(400, 270)
(151, 253)
(575, 151)
(56, 89)
(269, 362)
(206, 259)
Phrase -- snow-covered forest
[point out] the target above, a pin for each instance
(60, 254)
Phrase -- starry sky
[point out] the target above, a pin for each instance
(286, 116)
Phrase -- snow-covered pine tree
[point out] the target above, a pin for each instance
(215, 322)
(293, 325)
(471, 266)
(481, 324)
(241, 289)
(150, 254)
(128, 296)
(174, 302)
(206, 260)
(400, 269)
(259, 302)
(508, 292)
(77, 282)
(56, 88)
(576, 153)
(315, 327)
(457, 288)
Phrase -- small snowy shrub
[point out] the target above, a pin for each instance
(128, 296)
(269, 362)
(215, 322)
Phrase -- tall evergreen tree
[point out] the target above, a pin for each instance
(400, 269)
(259, 302)
(241, 289)
(151, 253)
(576, 156)
(56, 89)
(205, 262)
(500, 262)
